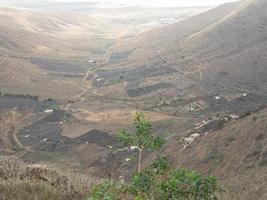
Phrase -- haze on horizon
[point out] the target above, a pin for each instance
(146, 3)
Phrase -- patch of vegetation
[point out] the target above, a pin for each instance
(109, 190)
(111, 77)
(222, 73)
(21, 96)
(220, 123)
(229, 140)
(147, 90)
(214, 154)
(263, 161)
(55, 107)
(159, 182)
(118, 56)
(260, 136)
(245, 114)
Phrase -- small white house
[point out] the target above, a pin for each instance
(48, 111)
(195, 135)
(99, 79)
(189, 139)
(233, 116)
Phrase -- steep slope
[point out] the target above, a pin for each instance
(43, 34)
(229, 40)
(159, 38)
(22, 38)
(237, 154)
(230, 49)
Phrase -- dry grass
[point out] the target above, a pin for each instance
(10, 123)
(20, 181)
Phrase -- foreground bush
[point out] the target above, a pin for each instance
(109, 190)
(159, 182)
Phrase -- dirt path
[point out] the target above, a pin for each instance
(165, 60)
(84, 86)
(200, 72)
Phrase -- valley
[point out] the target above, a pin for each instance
(70, 82)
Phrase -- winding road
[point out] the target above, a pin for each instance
(84, 87)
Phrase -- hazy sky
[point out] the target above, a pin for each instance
(145, 3)
(157, 3)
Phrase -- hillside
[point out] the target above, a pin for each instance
(230, 49)
(192, 78)
(236, 153)
(204, 55)
(200, 81)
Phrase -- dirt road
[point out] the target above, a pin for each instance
(84, 86)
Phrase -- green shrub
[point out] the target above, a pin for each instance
(220, 123)
(161, 165)
(142, 182)
(109, 190)
(160, 184)
(184, 184)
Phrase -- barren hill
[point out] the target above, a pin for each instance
(230, 49)
(225, 46)
(236, 153)
(65, 43)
